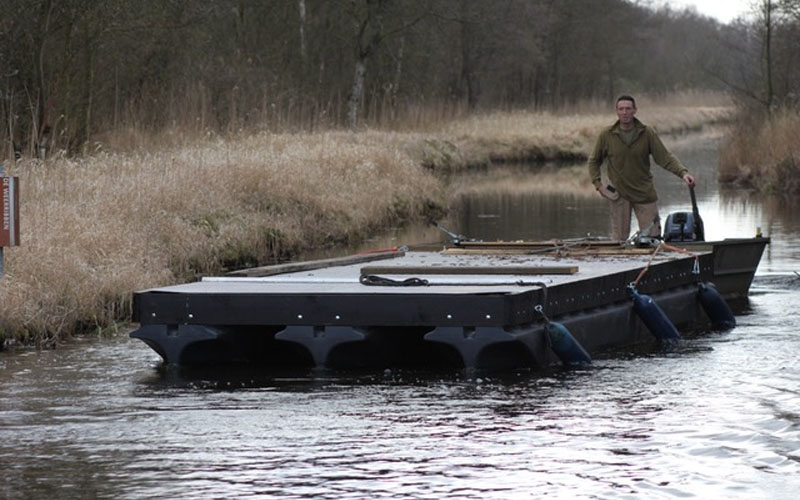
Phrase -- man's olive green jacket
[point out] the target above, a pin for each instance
(629, 166)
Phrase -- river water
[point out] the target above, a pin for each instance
(717, 418)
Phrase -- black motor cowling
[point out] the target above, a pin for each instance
(683, 226)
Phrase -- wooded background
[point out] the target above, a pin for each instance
(72, 71)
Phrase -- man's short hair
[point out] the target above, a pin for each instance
(626, 97)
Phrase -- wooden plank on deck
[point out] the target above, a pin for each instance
(293, 267)
(469, 270)
(566, 251)
(539, 244)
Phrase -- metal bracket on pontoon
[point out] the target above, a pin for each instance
(456, 239)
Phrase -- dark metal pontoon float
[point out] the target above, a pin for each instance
(475, 304)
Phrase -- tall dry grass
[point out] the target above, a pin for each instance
(521, 136)
(99, 227)
(763, 152)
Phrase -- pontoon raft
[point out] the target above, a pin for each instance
(476, 305)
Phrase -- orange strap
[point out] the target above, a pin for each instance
(653, 256)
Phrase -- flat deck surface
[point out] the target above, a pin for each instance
(344, 279)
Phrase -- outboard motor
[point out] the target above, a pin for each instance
(685, 226)
(680, 227)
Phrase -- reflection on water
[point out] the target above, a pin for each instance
(510, 217)
(717, 418)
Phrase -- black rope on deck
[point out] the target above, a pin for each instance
(373, 280)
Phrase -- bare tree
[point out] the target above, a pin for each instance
(71, 70)
(369, 35)
(767, 9)
(372, 30)
(301, 9)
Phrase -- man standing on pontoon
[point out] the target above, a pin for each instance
(626, 148)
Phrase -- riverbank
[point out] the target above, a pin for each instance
(95, 229)
(763, 153)
(542, 137)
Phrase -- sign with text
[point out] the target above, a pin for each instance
(9, 211)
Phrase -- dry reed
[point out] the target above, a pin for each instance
(764, 153)
(523, 136)
(97, 228)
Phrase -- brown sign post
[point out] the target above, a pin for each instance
(9, 213)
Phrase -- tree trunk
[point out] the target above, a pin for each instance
(354, 100)
(44, 98)
(770, 98)
(370, 35)
(301, 7)
(467, 70)
(398, 73)
(88, 98)
(610, 73)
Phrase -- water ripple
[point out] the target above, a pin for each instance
(719, 418)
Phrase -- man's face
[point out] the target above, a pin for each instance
(625, 112)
